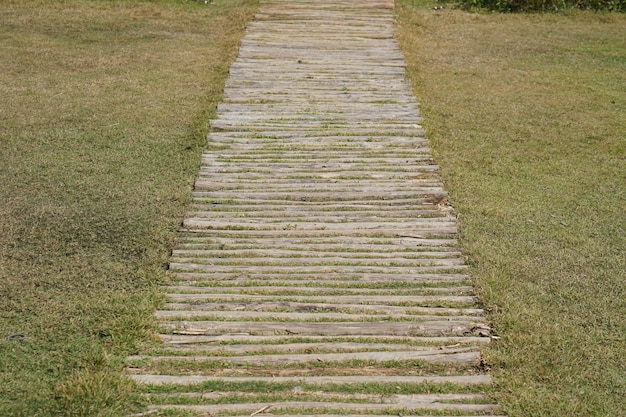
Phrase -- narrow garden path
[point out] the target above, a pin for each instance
(317, 271)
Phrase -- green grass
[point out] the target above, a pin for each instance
(543, 5)
(526, 116)
(105, 107)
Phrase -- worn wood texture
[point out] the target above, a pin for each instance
(319, 247)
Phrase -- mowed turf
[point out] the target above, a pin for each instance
(104, 106)
(527, 114)
(104, 109)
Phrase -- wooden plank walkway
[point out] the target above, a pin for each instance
(317, 270)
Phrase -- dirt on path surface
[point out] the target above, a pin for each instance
(317, 270)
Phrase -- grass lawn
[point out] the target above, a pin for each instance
(527, 114)
(104, 109)
(104, 106)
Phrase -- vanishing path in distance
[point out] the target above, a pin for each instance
(317, 270)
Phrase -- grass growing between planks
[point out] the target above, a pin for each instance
(527, 118)
(104, 110)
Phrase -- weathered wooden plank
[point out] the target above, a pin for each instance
(350, 172)
(371, 130)
(316, 295)
(319, 276)
(307, 141)
(336, 244)
(465, 356)
(302, 348)
(328, 161)
(364, 414)
(217, 397)
(310, 254)
(400, 311)
(431, 286)
(321, 261)
(240, 287)
(365, 407)
(185, 337)
(312, 233)
(295, 214)
(315, 168)
(444, 224)
(313, 188)
(373, 379)
(329, 269)
(259, 328)
(330, 317)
